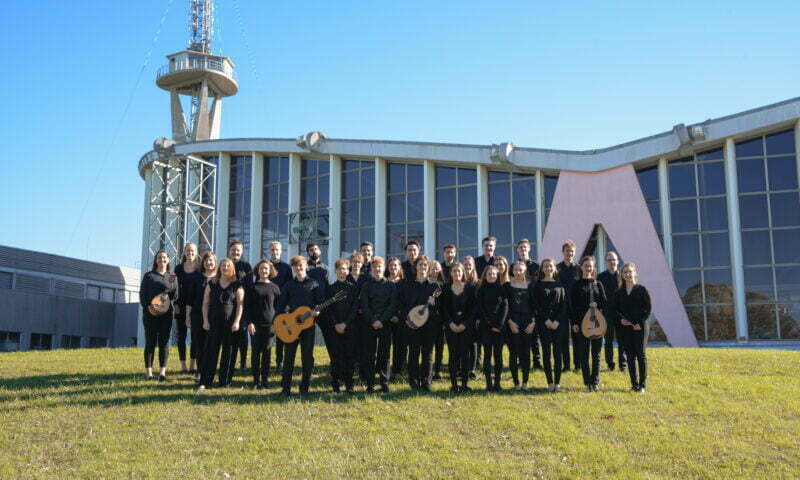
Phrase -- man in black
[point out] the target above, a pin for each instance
(244, 273)
(449, 261)
(368, 251)
(524, 252)
(567, 274)
(301, 291)
(487, 258)
(316, 267)
(283, 275)
(610, 280)
(412, 249)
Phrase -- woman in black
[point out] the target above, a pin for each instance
(457, 303)
(419, 291)
(471, 278)
(436, 276)
(519, 293)
(157, 327)
(187, 274)
(337, 327)
(550, 312)
(379, 304)
(261, 297)
(399, 342)
(587, 292)
(223, 305)
(633, 308)
(492, 308)
(194, 309)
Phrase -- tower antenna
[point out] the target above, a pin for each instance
(201, 25)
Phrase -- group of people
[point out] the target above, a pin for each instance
(476, 306)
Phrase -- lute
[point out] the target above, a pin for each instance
(593, 325)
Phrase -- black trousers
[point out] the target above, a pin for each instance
(156, 332)
(340, 351)
(613, 332)
(306, 343)
(492, 349)
(519, 348)
(535, 352)
(180, 322)
(576, 356)
(375, 353)
(635, 348)
(198, 341)
(438, 348)
(420, 360)
(565, 351)
(399, 347)
(587, 348)
(240, 347)
(220, 338)
(552, 343)
(260, 354)
(458, 348)
(279, 347)
(475, 351)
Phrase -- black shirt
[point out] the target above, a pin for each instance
(261, 298)
(343, 311)
(283, 273)
(413, 293)
(634, 307)
(295, 294)
(533, 269)
(446, 271)
(550, 303)
(244, 272)
(379, 301)
(520, 300)
(579, 300)
(185, 284)
(481, 263)
(610, 283)
(492, 305)
(409, 272)
(566, 275)
(197, 292)
(458, 309)
(154, 284)
(318, 271)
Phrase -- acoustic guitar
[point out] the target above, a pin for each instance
(594, 324)
(289, 326)
(418, 316)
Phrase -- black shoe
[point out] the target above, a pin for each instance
(426, 387)
(286, 392)
(437, 376)
(162, 378)
(455, 389)
(611, 367)
(497, 387)
(384, 388)
(148, 377)
(304, 392)
(565, 368)
(370, 389)
(473, 376)
(465, 389)
(336, 388)
(537, 366)
(634, 388)
(264, 385)
(349, 390)
(413, 384)
(256, 386)
(623, 368)
(595, 387)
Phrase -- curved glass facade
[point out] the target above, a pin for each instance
(275, 210)
(239, 200)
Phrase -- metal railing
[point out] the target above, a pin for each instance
(195, 64)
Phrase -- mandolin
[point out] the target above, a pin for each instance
(418, 316)
(593, 325)
(289, 326)
(159, 305)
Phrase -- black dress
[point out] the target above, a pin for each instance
(221, 316)
(157, 328)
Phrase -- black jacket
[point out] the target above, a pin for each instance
(379, 301)
(566, 275)
(610, 283)
(413, 293)
(579, 300)
(154, 284)
(550, 303)
(492, 306)
(283, 273)
(260, 299)
(295, 294)
(185, 283)
(244, 273)
(634, 307)
(319, 272)
(481, 263)
(343, 311)
(458, 309)
(520, 302)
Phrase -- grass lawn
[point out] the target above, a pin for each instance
(708, 413)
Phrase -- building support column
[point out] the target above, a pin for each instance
(381, 174)
(145, 263)
(666, 219)
(602, 248)
(335, 215)
(256, 206)
(483, 204)
(223, 199)
(429, 202)
(539, 179)
(735, 235)
(295, 167)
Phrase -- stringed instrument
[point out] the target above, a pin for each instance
(289, 326)
(159, 305)
(594, 323)
(418, 316)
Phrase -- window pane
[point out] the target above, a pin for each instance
(787, 283)
(648, 181)
(350, 164)
(467, 175)
(710, 155)
(753, 211)
(309, 189)
(499, 197)
(716, 250)
(761, 322)
(467, 200)
(467, 232)
(397, 208)
(750, 175)
(711, 178)
(758, 284)
(323, 167)
(350, 242)
(415, 177)
(446, 232)
(755, 247)
(681, 181)
(524, 198)
(684, 216)
(685, 251)
(350, 185)
(696, 320)
(718, 286)
(368, 182)
(785, 244)
(550, 184)
(789, 320)
(395, 237)
(396, 177)
(750, 148)
(507, 252)
(350, 213)
(495, 176)
(785, 209)
(714, 213)
(446, 203)
(688, 283)
(782, 173)
(721, 322)
(655, 215)
(415, 206)
(500, 227)
(284, 196)
(445, 176)
(780, 143)
(324, 197)
(416, 231)
(308, 168)
(368, 211)
(524, 227)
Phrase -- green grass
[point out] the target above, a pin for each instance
(707, 414)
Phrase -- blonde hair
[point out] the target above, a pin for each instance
(635, 273)
(504, 277)
(540, 275)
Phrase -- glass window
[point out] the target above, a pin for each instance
(6, 280)
(648, 181)
(275, 209)
(405, 207)
(239, 200)
(456, 209)
(98, 342)
(358, 205)
(751, 176)
(9, 341)
(550, 183)
(70, 341)
(315, 202)
(41, 341)
(512, 211)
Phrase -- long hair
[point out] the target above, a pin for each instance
(400, 274)
(540, 273)
(504, 277)
(483, 282)
(439, 278)
(219, 268)
(471, 277)
(458, 266)
(524, 269)
(196, 257)
(635, 273)
(203, 263)
(579, 273)
(273, 272)
(155, 258)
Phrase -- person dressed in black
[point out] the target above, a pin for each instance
(471, 275)
(283, 273)
(634, 308)
(448, 261)
(519, 292)
(587, 293)
(244, 273)
(187, 274)
(487, 258)
(611, 279)
(379, 303)
(550, 312)
(301, 291)
(399, 341)
(358, 278)
(567, 273)
(457, 307)
(493, 309)
(412, 249)
(157, 326)
(223, 307)
(317, 269)
(436, 277)
(194, 309)
(524, 251)
(337, 325)
(419, 291)
(261, 298)
(368, 252)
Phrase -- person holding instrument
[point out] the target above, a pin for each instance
(379, 303)
(457, 304)
(194, 309)
(633, 308)
(493, 308)
(157, 283)
(519, 293)
(550, 311)
(261, 297)
(419, 291)
(223, 306)
(587, 293)
(187, 274)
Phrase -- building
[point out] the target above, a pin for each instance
(710, 211)
(53, 302)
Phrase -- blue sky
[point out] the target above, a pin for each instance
(578, 76)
